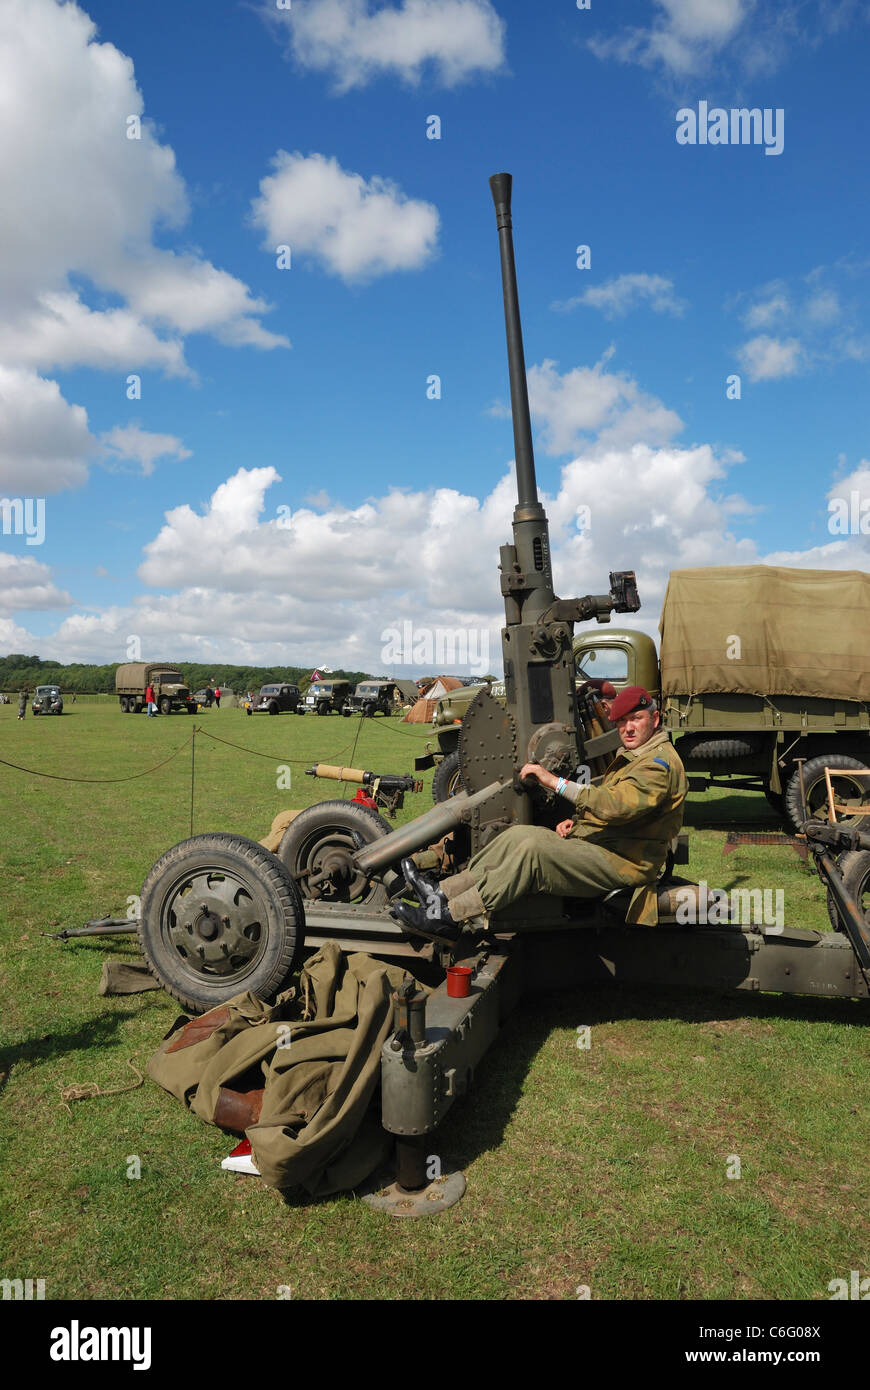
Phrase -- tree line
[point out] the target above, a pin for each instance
(17, 670)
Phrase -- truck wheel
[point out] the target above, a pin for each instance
(125, 705)
(165, 705)
(854, 865)
(848, 790)
(447, 780)
(219, 915)
(714, 749)
(318, 848)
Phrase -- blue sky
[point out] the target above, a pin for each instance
(305, 388)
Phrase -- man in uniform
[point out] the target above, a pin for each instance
(618, 836)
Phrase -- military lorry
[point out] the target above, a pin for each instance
(326, 697)
(47, 699)
(446, 722)
(277, 699)
(170, 690)
(761, 666)
(376, 697)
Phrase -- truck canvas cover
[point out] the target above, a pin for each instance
(801, 632)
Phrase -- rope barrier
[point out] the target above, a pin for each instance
(58, 777)
(272, 757)
(254, 752)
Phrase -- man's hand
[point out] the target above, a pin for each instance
(545, 778)
(564, 828)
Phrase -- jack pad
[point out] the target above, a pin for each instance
(430, 1200)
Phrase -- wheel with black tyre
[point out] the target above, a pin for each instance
(165, 705)
(191, 707)
(323, 709)
(220, 915)
(714, 749)
(447, 780)
(847, 790)
(273, 707)
(854, 865)
(318, 848)
(125, 705)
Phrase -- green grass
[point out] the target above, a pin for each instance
(604, 1167)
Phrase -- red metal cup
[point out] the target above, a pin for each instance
(459, 981)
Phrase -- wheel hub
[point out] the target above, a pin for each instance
(214, 923)
(331, 871)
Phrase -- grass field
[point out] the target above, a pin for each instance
(604, 1168)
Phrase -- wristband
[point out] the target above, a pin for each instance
(560, 786)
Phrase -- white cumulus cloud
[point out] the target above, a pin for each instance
(620, 295)
(25, 584)
(130, 443)
(357, 229)
(81, 212)
(591, 401)
(356, 43)
(44, 441)
(766, 359)
(683, 36)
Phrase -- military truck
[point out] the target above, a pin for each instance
(47, 699)
(376, 697)
(326, 697)
(170, 690)
(760, 666)
(277, 699)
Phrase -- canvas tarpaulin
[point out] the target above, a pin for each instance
(312, 1060)
(800, 632)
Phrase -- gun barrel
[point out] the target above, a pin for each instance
(422, 832)
(527, 487)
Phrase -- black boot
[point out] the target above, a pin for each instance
(429, 894)
(416, 921)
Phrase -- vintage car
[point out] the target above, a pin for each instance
(374, 697)
(325, 697)
(278, 698)
(48, 700)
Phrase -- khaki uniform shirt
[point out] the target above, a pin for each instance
(635, 812)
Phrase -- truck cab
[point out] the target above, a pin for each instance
(622, 657)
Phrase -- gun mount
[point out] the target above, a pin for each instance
(220, 914)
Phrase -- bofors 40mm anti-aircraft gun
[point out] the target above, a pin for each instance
(220, 914)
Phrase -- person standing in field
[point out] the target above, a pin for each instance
(149, 697)
(217, 696)
(22, 703)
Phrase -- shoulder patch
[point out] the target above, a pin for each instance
(663, 761)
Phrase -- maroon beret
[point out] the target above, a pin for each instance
(632, 698)
(604, 688)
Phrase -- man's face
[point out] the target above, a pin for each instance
(637, 728)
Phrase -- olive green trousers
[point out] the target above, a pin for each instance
(532, 859)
